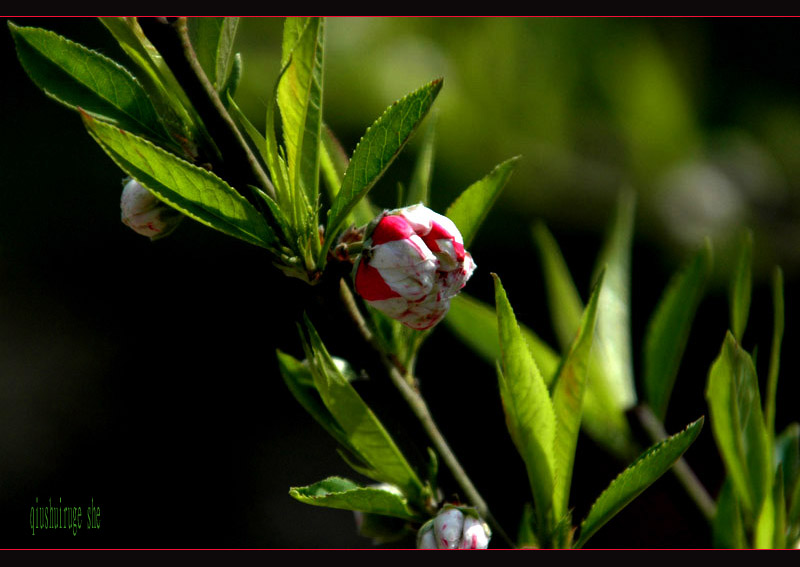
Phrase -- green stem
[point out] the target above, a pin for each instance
(419, 407)
(686, 476)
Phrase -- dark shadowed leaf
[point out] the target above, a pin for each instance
(668, 330)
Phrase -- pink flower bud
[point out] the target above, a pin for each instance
(413, 263)
(145, 213)
(454, 527)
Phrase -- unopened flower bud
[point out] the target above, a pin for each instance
(412, 264)
(145, 213)
(454, 527)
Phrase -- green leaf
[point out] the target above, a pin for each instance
(727, 526)
(612, 353)
(81, 78)
(787, 456)
(475, 323)
(741, 286)
(668, 330)
(470, 209)
(194, 191)
(775, 352)
(640, 474)
(419, 190)
(364, 431)
(738, 425)
(169, 100)
(212, 39)
(568, 401)
(604, 418)
(529, 410)
(334, 162)
(336, 492)
(300, 103)
(300, 381)
(376, 151)
(563, 298)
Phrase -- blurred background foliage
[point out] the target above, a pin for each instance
(129, 371)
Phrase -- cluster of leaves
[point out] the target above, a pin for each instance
(174, 137)
(759, 504)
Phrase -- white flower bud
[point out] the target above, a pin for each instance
(454, 527)
(145, 213)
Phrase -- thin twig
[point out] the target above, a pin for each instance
(694, 488)
(420, 409)
(182, 29)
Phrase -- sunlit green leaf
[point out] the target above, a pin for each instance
(787, 456)
(192, 190)
(363, 429)
(475, 323)
(81, 78)
(470, 208)
(335, 492)
(212, 39)
(568, 401)
(300, 102)
(529, 410)
(636, 478)
(741, 286)
(604, 417)
(612, 352)
(738, 424)
(668, 330)
(376, 151)
(167, 96)
(727, 526)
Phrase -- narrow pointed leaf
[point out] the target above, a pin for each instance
(612, 351)
(334, 163)
(376, 151)
(419, 190)
(300, 102)
(475, 323)
(212, 39)
(364, 431)
(470, 208)
(168, 98)
(775, 351)
(668, 330)
(343, 494)
(300, 381)
(192, 190)
(727, 526)
(568, 396)
(636, 478)
(738, 424)
(529, 410)
(604, 415)
(79, 77)
(741, 286)
(563, 298)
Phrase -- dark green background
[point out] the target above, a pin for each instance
(143, 374)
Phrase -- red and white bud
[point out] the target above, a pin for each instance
(413, 263)
(454, 527)
(145, 213)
